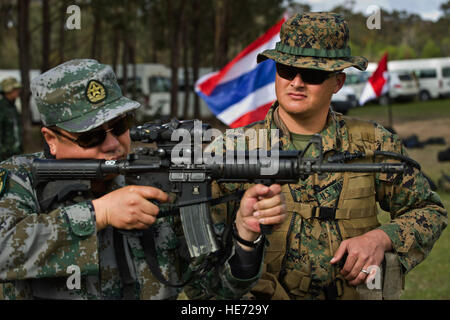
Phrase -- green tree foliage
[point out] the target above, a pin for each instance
(143, 23)
(431, 50)
(106, 25)
(445, 7)
(404, 35)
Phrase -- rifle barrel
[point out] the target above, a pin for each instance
(288, 170)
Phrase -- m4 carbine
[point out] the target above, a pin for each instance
(191, 182)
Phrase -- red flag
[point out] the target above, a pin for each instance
(377, 84)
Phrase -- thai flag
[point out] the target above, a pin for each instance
(243, 91)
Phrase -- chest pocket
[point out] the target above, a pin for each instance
(278, 238)
(357, 211)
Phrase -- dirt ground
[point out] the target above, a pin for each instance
(425, 129)
(428, 155)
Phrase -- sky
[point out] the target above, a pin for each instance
(427, 9)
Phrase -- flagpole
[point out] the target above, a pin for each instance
(389, 105)
(390, 118)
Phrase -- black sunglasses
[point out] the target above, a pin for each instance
(309, 76)
(97, 136)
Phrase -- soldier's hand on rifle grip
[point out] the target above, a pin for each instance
(128, 207)
(260, 205)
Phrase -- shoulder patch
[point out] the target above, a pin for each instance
(3, 176)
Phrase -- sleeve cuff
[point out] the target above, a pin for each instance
(401, 243)
(246, 264)
(240, 280)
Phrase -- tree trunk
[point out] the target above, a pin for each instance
(125, 59)
(46, 33)
(221, 34)
(152, 25)
(175, 18)
(96, 36)
(62, 23)
(116, 47)
(187, 82)
(132, 59)
(24, 63)
(196, 53)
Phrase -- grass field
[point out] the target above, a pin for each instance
(405, 112)
(431, 278)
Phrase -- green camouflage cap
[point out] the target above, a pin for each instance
(79, 95)
(9, 84)
(314, 40)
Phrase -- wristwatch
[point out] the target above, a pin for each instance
(252, 244)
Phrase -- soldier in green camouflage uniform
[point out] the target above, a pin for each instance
(45, 243)
(10, 122)
(332, 235)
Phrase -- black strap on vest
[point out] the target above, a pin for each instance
(148, 242)
(330, 291)
(128, 283)
(325, 213)
(147, 238)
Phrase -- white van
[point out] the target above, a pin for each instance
(403, 82)
(34, 112)
(152, 87)
(433, 75)
(344, 100)
(403, 85)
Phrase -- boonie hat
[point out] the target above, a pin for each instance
(314, 40)
(9, 84)
(79, 95)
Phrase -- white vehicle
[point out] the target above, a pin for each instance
(403, 85)
(433, 75)
(344, 100)
(153, 85)
(356, 80)
(34, 112)
(152, 88)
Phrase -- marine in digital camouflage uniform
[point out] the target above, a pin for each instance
(10, 122)
(44, 242)
(334, 215)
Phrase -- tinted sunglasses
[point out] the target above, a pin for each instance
(309, 76)
(97, 136)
